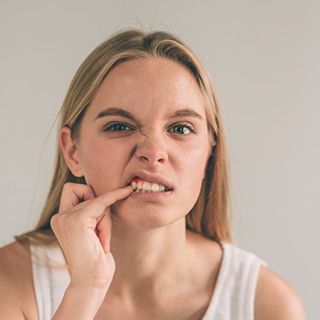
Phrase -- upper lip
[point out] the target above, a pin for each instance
(150, 178)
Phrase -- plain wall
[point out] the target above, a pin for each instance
(263, 57)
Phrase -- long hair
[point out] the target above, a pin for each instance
(210, 216)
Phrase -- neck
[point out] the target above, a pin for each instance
(149, 261)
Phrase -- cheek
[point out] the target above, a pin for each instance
(193, 169)
(194, 166)
(103, 168)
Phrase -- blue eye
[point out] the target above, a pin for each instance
(116, 127)
(180, 129)
(183, 126)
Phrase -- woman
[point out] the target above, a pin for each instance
(138, 207)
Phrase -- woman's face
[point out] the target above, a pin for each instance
(111, 147)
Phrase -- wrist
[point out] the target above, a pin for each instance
(80, 302)
(88, 288)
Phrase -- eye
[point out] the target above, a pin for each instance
(182, 129)
(116, 126)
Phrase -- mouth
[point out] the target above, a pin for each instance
(143, 186)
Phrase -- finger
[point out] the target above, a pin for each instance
(104, 230)
(90, 194)
(99, 204)
(74, 193)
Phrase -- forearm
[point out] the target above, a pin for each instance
(80, 303)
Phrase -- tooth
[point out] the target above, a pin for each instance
(146, 186)
(155, 187)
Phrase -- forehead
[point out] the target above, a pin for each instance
(149, 83)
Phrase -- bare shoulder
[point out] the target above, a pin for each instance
(16, 289)
(276, 299)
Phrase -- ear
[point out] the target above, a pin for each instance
(70, 152)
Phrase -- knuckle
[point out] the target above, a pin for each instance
(68, 185)
(59, 221)
(53, 221)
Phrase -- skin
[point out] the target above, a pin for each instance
(159, 264)
(149, 240)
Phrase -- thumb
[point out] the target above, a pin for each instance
(104, 230)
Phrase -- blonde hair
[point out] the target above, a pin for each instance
(210, 214)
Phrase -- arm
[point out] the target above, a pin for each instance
(276, 299)
(90, 262)
(9, 306)
(10, 300)
(80, 303)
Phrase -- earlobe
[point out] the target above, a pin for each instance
(70, 152)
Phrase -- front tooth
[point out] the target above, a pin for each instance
(155, 187)
(146, 186)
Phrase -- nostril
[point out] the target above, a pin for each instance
(143, 158)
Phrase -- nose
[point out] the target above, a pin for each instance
(151, 151)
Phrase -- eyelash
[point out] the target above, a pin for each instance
(107, 128)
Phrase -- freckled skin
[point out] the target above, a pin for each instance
(150, 89)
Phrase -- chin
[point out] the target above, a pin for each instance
(143, 219)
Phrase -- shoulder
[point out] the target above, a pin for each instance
(276, 299)
(15, 280)
(14, 259)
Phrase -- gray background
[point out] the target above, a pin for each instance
(263, 57)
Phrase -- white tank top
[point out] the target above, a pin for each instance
(233, 297)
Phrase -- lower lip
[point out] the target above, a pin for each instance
(151, 196)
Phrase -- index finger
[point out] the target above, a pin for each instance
(72, 194)
(105, 200)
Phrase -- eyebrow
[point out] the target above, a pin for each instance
(186, 112)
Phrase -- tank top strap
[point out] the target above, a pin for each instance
(50, 278)
(233, 297)
(234, 293)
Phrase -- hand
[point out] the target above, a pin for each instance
(83, 230)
